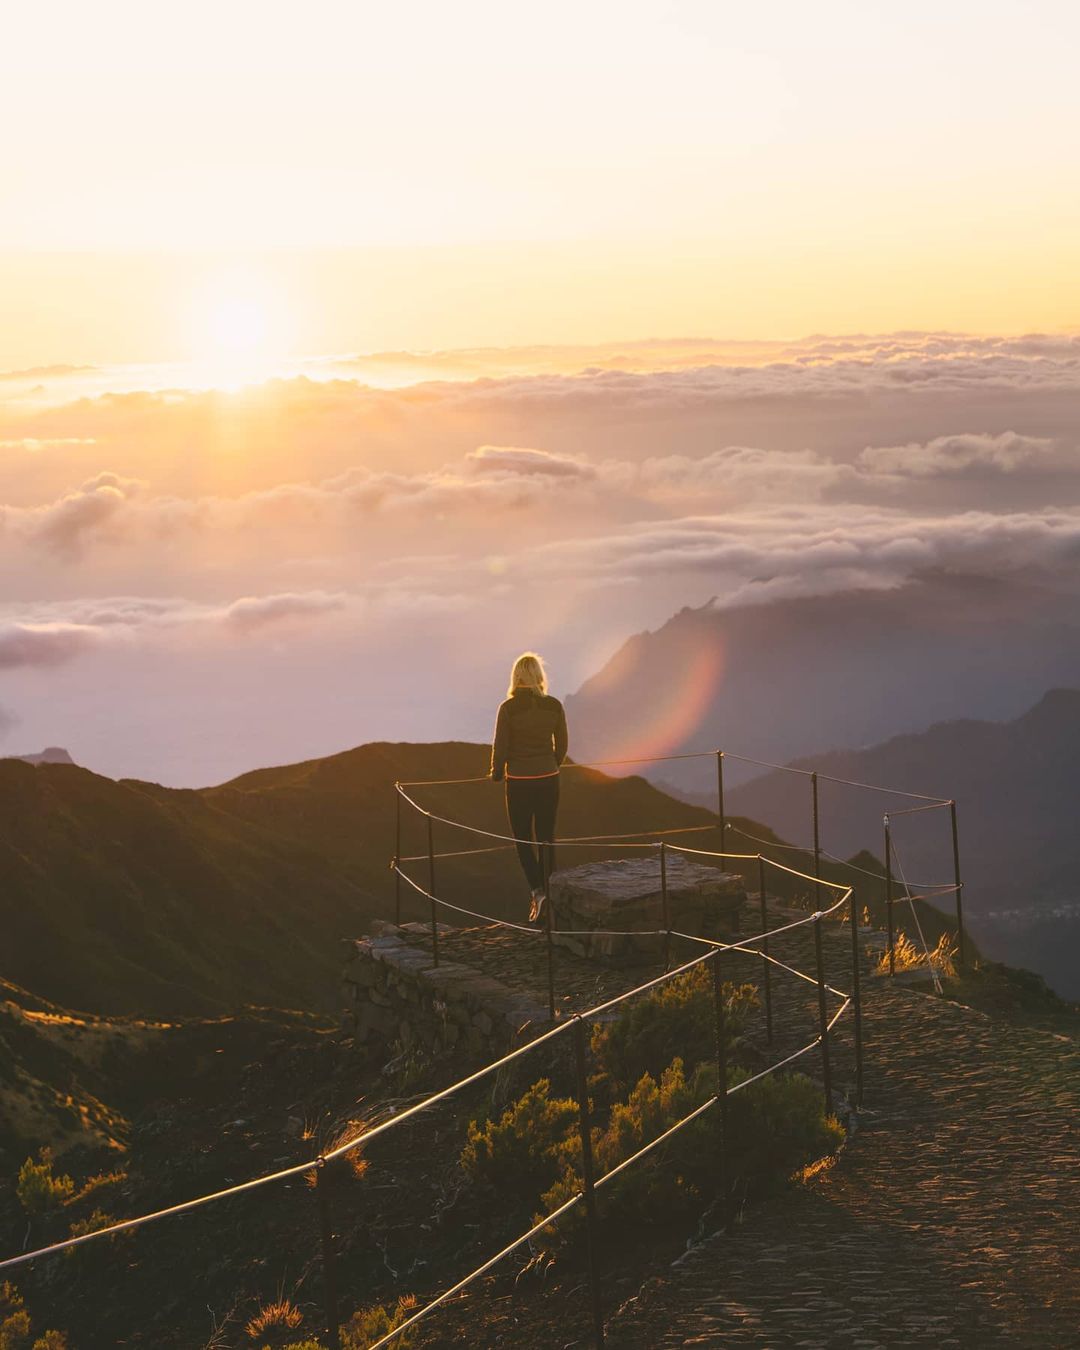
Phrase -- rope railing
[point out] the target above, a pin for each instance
(754, 946)
(364, 1138)
(926, 802)
(696, 754)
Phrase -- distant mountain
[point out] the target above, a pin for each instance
(1017, 785)
(52, 754)
(124, 897)
(804, 675)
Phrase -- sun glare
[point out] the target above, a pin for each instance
(237, 332)
(239, 325)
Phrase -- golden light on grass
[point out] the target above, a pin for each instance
(280, 1313)
(907, 956)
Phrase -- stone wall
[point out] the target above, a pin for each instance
(396, 999)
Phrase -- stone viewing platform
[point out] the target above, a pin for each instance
(395, 995)
(626, 894)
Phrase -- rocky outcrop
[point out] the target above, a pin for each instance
(52, 754)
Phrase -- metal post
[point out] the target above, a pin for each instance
(326, 1233)
(817, 841)
(664, 902)
(720, 799)
(959, 886)
(888, 896)
(431, 890)
(721, 1080)
(856, 996)
(547, 933)
(397, 858)
(588, 1178)
(823, 1016)
(766, 971)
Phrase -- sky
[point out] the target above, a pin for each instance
(367, 177)
(348, 350)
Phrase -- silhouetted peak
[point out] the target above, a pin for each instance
(52, 754)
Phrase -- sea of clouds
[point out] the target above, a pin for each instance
(197, 581)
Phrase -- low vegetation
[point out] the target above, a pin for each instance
(362, 1330)
(907, 957)
(39, 1190)
(655, 1063)
(16, 1328)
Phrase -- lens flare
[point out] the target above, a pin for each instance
(671, 704)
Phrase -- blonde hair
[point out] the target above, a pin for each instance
(528, 673)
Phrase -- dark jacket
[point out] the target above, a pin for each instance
(530, 736)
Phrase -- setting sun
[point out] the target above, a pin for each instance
(237, 330)
(239, 325)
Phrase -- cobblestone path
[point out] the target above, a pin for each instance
(951, 1218)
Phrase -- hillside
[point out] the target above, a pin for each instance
(808, 674)
(129, 897)
(1017, 785)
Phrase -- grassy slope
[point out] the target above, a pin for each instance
(133, 898)
(129, 897)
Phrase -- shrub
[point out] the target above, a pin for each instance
(52, 1340)
(519, 1156)
(15, 1331)
(675, 1018)
(365, 1327)
(38, 1190)
(92, 1224)
(102, 1181)
(276, 1316)
(776, 1126)
(653, 1184)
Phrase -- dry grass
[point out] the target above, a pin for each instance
(815, 1169)
(906, 956)
(280, 1313)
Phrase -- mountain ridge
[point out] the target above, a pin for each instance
(129, 897)
(1015, 782)
(794, 677)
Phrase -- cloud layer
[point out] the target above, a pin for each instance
(564, 498)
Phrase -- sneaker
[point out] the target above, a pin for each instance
(537, 906)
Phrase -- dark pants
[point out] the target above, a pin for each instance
(531, 805)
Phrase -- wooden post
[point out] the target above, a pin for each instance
(547, 932)
(817, 840)
(326, 1234)
(397, 858)
(959, 887)
(664, 902)
(431, 889)
(720, 799)
(721, 1079)
(823, 1016)
(588, 1179)
(856, 997)
(889, 896)
(766, 970)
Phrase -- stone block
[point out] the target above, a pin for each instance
(625, 895)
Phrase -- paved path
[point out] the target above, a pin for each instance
(952, 1217)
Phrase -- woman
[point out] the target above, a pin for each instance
(530, 744)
